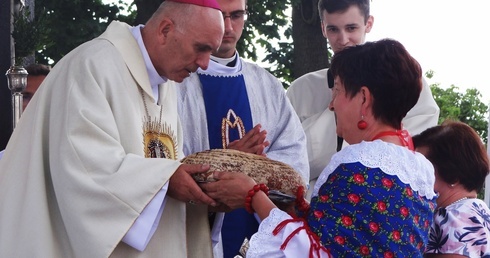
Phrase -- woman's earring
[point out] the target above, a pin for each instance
(362, 124)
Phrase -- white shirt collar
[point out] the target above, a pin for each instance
(224, 61)
(216, 68)
(155, 78)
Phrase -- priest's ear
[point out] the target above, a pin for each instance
(164, 28)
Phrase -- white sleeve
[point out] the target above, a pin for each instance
(321, 138)
(145, 225)
(309, 94)
(216, 230)
(265, 244)
(424, 114)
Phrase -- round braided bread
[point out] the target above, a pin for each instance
(275, 174)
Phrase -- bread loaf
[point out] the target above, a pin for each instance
(276, 175)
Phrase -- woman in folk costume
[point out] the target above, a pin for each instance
(92, 169)
(375, 198)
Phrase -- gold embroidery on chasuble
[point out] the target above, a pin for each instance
(234, 122)
(159, 140)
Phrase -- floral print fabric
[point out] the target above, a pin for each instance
(461, 228)
(364, 212)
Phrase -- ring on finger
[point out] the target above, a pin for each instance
(192, 202)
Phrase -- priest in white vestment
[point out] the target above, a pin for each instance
(92, 169)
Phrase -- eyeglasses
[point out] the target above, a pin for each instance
(235, 16)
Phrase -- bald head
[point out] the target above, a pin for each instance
(180, 38)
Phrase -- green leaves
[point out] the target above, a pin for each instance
(67, 24)
(30, 34)
(465, 107)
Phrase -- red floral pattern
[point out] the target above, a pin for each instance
(367, 213)
(354, 198)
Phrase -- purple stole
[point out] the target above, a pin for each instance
(227, 109)
(229, 118)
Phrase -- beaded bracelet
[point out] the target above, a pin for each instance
(251, 193)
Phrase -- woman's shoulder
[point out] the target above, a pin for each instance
(409, 166)
(464, 213)
(461, 226)
(467, 208)
(388, 157)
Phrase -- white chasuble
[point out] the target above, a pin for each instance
(75, 178)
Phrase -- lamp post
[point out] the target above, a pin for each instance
(16, 74)
(17, 82)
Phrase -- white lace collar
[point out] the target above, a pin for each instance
(410, 167)
(217, 69)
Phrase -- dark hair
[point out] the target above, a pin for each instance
(38, 69)
(457, 153)
(391, 74)
(333, 6)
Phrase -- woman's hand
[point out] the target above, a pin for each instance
(230, 189)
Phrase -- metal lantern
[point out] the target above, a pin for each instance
(17, 82)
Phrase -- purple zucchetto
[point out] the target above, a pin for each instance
(205, 3)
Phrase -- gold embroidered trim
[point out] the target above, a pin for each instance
(159, 139)
(226, 124)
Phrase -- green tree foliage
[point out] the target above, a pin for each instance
(465, 107)
(29, 34)
(263, 28)
(71, 23)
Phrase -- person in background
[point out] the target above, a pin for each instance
(36, 75)
(461, 225)
(237, 104)
(376, 196)
(344, 23)
(92, 168)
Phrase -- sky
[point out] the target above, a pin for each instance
(446, 36)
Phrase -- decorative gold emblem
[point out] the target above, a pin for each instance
(226, 124)
(159, 140)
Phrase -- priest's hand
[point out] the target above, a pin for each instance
(252, 142)
(182, 186)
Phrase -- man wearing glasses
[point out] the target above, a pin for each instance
(236, 104)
